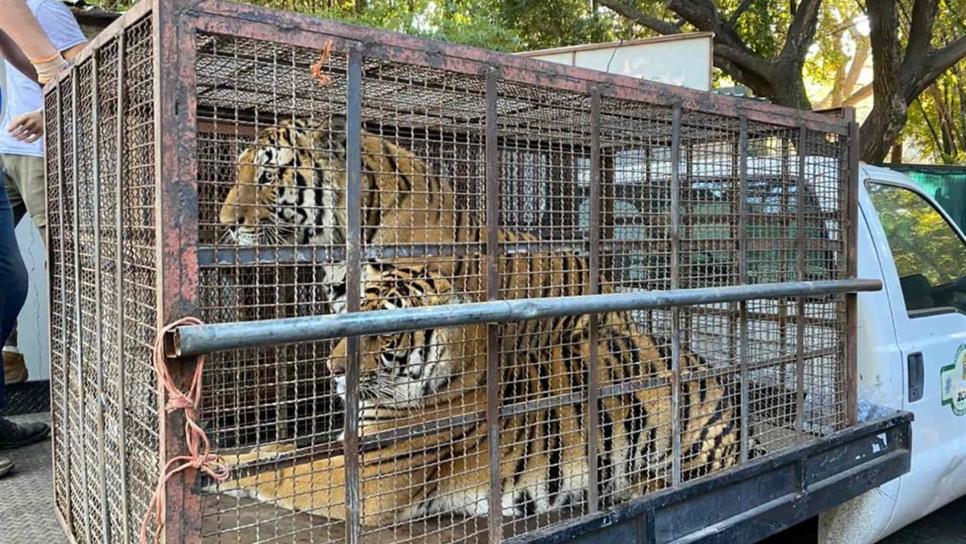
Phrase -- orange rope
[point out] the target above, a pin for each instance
(317, 66)
(199, 456)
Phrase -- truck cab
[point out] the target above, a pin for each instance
(911, 352)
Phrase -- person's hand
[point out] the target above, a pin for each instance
(28, 127)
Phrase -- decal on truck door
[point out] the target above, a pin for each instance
(954, 382)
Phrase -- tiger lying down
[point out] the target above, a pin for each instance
(429, 375)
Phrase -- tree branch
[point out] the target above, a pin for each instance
(920, 35)
(730, 54)
(858, 96)
(802, 31)
(706, 17)
(888, 114)
(862, 50)
(935, 63)
(638, 16)
(936, 140)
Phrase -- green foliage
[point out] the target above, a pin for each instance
(763, 25)
(937, 119)
(555, 23)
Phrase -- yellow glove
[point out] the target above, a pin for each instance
(48, 68)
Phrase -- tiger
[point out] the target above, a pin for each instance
(411, 378)
(290, 189)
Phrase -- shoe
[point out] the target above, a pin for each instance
(13, 435)
(14, 367)
(6, 465)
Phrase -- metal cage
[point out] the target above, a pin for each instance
(524, 179)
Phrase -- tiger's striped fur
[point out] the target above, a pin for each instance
(290, 188)
(416, 377)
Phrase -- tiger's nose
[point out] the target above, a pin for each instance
(336, 366)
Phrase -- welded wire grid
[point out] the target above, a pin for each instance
(543, 183)
(278, 397)
(636, 159)
(101, 186)
(424, 136)
(58, 320)
(423, 139)
(594, 194)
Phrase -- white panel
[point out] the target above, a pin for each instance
(32, 333)
(685, 62)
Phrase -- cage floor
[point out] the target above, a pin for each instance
(27, 511)
(258, 522)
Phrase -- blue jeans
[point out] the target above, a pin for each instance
(13, 277)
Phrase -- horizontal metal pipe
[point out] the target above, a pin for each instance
(198, 339)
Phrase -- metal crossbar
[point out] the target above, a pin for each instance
(200, 339)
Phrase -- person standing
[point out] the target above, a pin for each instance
(21, 146)
(30, 53)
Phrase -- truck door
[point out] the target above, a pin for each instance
(923, 259)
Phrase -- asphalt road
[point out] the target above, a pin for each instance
(944, 526)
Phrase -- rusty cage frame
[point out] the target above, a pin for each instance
(129, 252)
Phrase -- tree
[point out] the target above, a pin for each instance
(937, 119)
(908, 55)
(773, 69)
(904, 67)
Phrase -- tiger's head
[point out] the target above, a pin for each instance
(410, 369)
(288, 186)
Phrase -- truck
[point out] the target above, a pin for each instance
(912, 351)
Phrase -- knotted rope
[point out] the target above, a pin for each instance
(199, 456)
(319, 65)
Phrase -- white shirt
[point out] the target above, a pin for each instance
(21, 95)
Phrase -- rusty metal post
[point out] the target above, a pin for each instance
(743, 279)
(593, 388)
(82, 400)
(177, 234)
(851, 240)
(734, 206)
(65, 344)
(676, 284)
(800, 190)
(493, 381)
(119, 271)
(353, 168)
(98, 301)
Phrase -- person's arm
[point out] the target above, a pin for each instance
(19, 23)
(12, 54)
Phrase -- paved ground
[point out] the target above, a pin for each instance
(26, 496)
(26, 507)
(945, 526)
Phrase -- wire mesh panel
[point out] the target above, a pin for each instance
(101, 189)
(332, 169)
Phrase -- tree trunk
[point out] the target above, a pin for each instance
(788, 89)
(888, 114)
(881, 128)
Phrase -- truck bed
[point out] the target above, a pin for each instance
(782, 489)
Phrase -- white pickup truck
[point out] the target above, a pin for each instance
(911, 352)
